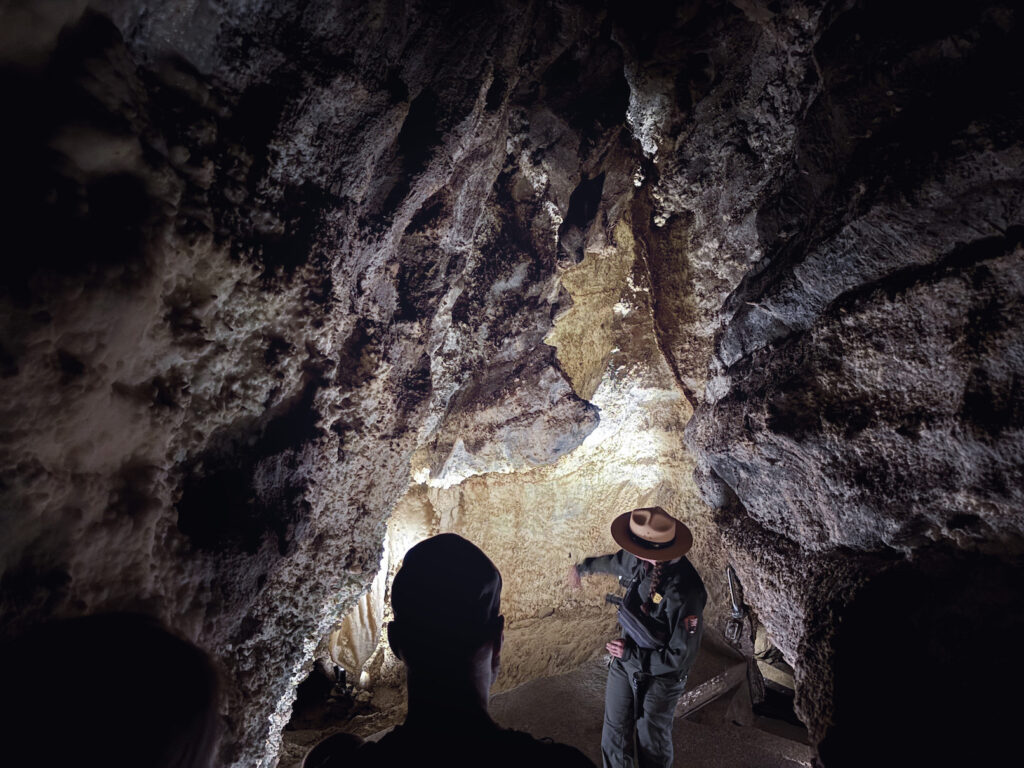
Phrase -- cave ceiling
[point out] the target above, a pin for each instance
(275, 270)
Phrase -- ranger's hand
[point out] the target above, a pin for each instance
(616, 647)
(691, 624)
(574, 577)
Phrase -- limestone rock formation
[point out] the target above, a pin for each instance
(274, 268)
(253, 264)
(862, 411)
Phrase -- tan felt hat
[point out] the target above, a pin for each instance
(652, 533)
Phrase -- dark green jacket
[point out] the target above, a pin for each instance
(683, 595)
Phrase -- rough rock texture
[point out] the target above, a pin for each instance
(536, 521)
(253, 261)
(863, 411)
(266, 259)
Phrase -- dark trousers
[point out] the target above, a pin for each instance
(646, 704)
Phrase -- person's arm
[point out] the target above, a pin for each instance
(688, 601)
(619, 564)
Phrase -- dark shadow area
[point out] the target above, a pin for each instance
(926, 665)
(587, 88)
(56, 217)
(416, 140)
(584, 203)
(136, 694)
(31, 590)
(326, 700)
(248, 486)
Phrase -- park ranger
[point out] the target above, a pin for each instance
(661, 617)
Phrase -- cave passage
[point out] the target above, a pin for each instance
(288, 287)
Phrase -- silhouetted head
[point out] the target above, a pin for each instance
(446, 599)
(115, 690)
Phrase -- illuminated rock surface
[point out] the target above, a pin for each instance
(274, 271)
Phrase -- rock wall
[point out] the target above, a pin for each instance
(861, 415)
(254, 263)
(536, 522)
(266, 260)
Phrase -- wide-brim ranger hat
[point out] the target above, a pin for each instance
(652, 533)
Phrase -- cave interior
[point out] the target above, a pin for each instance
(290, 286)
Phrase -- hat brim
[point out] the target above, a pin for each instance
(679, 547)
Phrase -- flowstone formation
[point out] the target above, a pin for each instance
(270, 263)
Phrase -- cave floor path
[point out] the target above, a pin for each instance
(569, 708)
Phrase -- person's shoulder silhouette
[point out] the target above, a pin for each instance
(479, 744)
(448, 630)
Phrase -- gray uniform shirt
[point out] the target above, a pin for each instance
(682, 594)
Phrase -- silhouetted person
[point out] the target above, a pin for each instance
(448, 629)
(111, 691)
(661, 620)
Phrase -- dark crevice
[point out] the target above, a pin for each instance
(416, 140)
(959, 260)
(432, 214)
(248, 485)
(359, 356)
(496, 93)
(419, 132)
(277, 348)
(70, 366)
(395, 86)
(584, 203)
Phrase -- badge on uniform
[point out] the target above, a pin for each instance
(656, 598)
